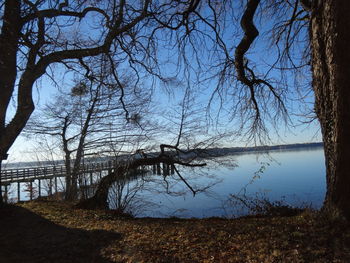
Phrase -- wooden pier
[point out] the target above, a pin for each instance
(47, 172)
(53, 173)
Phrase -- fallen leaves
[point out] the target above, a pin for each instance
(302, 238)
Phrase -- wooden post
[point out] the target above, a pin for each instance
(165, 169)
(31, 190)
(39, 186)
(18, 191)
(91, 179)
(50, 186)
(172, 169)
(56, 188)
(6, 194)
(158, 169)
(154, 169)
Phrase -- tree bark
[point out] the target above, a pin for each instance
(330, 38)
(9, 35)
(8, 61)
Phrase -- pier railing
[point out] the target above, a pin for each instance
(47, 172)
(90, 173)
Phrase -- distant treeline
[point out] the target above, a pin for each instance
(202, 153)
(213, 152)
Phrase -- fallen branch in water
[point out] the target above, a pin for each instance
(100, 199)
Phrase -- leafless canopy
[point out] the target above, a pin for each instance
(43, 36)
(192, 41)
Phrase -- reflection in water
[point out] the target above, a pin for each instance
(296, 178)
(124, 195)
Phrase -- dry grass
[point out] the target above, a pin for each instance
(49, 231)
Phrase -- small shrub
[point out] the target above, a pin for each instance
(262, 206)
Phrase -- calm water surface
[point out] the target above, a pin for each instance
(295, 177)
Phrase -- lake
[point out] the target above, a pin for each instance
(295, 178)
(291, 177)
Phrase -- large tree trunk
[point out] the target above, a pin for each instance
(330, 38)
(9, 36)
(8, 61)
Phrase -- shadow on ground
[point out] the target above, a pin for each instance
(26, 237)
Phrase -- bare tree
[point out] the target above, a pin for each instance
(87, 121)
(183, 140)
(195, 34)
(100, 198)
(38, 34)
(307, 36)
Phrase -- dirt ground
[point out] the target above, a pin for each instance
(51, 231)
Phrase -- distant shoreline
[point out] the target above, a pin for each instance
(202, 153)
(264, 148)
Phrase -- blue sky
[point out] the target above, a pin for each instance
(262, 55)
(300, 133)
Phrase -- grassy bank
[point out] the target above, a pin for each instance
(49, 231)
